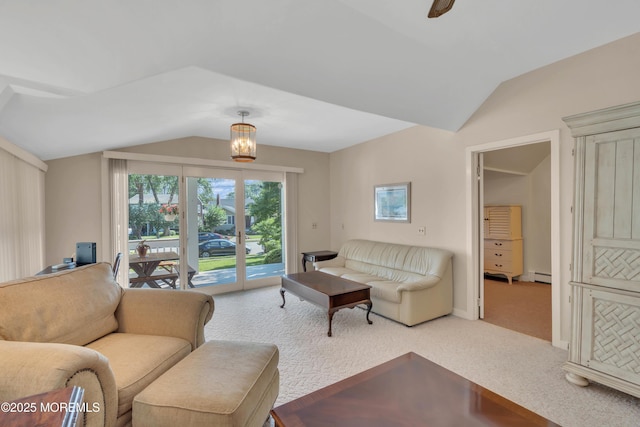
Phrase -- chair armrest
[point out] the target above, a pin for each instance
(30, 368)
(165, 312)
(335, 262)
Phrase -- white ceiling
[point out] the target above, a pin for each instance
(84, 76)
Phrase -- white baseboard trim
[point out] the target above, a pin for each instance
(463, 314)
(542, 277)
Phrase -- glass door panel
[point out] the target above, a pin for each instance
(215, 254)
(154, 229)
(263, 225)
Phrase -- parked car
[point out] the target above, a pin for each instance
(217, 247)
(204, 236)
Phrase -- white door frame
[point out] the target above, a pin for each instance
(473, 223)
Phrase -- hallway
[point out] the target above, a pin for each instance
(523, 307)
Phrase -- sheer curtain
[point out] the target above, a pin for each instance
(118, 193)
(22, 214)
(291, 222)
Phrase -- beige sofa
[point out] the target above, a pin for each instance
(410, 284)
(79, 327)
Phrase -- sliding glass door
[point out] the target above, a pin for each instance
(212, 229)
(234, 229)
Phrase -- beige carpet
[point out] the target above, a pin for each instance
(523, 307)
(524, 369)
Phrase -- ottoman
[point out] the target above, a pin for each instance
(222, 383)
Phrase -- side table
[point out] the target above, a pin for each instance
(316, 256)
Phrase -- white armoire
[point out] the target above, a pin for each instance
(605, 299)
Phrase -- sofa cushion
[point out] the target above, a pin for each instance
(137, 360)
(337, 271)
(361, 277)
(72, 307)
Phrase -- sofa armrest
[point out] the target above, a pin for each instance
(338, 261)
(419, 285)
(30, 368)
(165, 312)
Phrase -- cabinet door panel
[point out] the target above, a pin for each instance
(503, 222)
(609, 346)
(611, 246)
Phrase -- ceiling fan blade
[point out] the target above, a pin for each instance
(440, 7)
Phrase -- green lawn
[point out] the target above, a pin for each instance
(224, 262)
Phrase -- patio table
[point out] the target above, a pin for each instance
(145, 267)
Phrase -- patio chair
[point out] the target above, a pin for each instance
(116, 265)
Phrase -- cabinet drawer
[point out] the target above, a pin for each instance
(501, 266)
(497, 244)
(492, 254)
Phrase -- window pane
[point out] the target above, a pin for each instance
(263, 221)
(214, 215)
(154, 231)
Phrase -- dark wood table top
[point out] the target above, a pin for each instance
(407, 391)
(153, 257)
(319, 253)
(324, 283)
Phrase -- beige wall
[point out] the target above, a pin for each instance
(434, 161)
(73, 206)
(74, 193)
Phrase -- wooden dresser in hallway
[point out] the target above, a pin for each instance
(503, 240)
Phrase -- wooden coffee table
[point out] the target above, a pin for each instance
(327, 291)
(407, 391)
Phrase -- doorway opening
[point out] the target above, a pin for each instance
(477, 291)
(516, 182)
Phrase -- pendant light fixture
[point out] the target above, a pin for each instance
(440, 7)
(243, 140)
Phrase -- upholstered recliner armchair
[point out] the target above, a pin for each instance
(79, 327)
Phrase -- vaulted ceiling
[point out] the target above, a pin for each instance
(84, 76)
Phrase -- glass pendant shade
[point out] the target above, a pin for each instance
(243, 142)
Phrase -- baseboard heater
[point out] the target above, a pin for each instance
(541, 277)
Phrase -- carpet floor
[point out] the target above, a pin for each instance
(522, 368)
(523, 307)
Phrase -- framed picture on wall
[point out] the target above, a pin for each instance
(392, 202)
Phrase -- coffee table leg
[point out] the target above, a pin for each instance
(369, 306)
(330, 319)
(282, 295)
